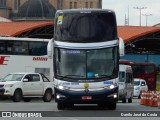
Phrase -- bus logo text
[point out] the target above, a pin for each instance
(40, 58)
(3, 59)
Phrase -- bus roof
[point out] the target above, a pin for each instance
(23, 39)
(142, 63)
(85, 10)
(124, 62)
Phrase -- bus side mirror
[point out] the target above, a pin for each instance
(50, 49)
(121, 47)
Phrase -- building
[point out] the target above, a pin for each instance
(142, 44)
(34, 19)
(157, 25)
(10, 8)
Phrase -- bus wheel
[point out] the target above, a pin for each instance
(70, 105)
(61, 106)
(112, 105)
(102, 105)
(17, 97)
(47, 96)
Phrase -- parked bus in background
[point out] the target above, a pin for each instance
(86, 55)
(24, 55)
(144, 70)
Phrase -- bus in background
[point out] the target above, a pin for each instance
(144, 70)
(86, 54)
(24, 55)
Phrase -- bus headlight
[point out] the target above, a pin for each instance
(59, 96)
(62, 87)
(110, 86)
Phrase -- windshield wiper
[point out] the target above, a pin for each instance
(71, 76)
(106, 76)
(68, 76)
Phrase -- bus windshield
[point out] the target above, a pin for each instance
(86, 27)
(143, 69)
(99, 63)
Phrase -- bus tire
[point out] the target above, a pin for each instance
(112, 105)
(17, 97)
(70, 105)
(61, 106)
(47, 96)
(102, 105)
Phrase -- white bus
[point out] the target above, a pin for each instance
(24, 55)
(86, 57)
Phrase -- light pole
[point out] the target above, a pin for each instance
(140, 8)
(146, 17)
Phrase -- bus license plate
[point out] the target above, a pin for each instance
(86, 97)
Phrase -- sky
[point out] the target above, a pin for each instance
(121, 9)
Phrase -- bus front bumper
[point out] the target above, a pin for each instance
(83, 97)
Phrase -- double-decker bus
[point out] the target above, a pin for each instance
(24, 55)
(86, 54)
(144, 70)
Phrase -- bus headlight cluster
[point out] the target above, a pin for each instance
(59, 96)
(113, 95)
(61, 87)
(110, 86)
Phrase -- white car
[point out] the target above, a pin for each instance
(26, 86)
(139, 86)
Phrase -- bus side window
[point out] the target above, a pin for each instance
(37, 48)
(2, 47)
